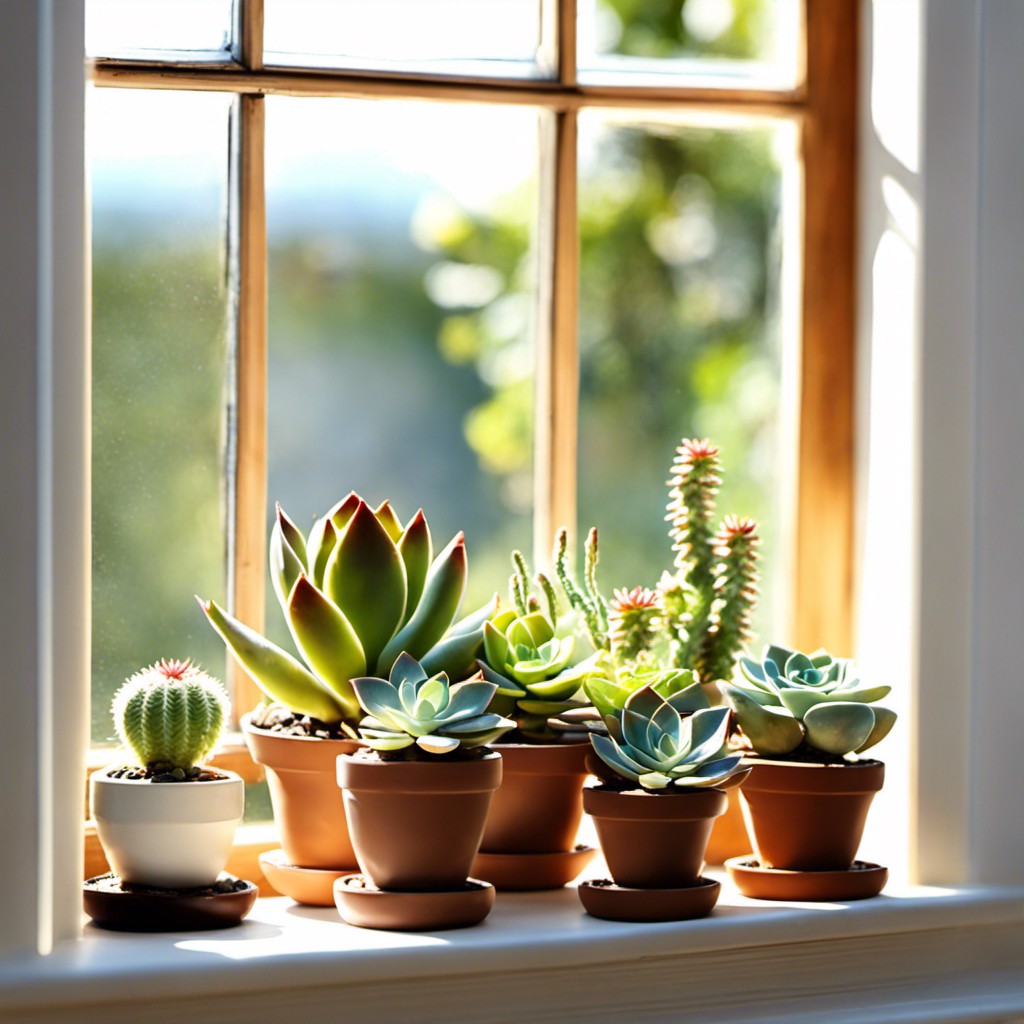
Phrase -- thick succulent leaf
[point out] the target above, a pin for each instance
(434, 744)
(365, 578)
(380, 699)
(385, 739)
(654, 780)
(771, 731)
(478, 723)
(531, 630)
(561, 687)
(798, 701)
(799, 665)
(386, 517)
(439, 604)
(753, 670)
(322, 541)
(885, 719)
(276, 672)
(417, 551)
(822, 659)
(506, 687)
(547, 708)
(693, 698)
(705, 733)
(407, 669)
(327, 641)
(292, 534)
(343, 512)
(762, 697)
(612, 755)
(606, 695)
(496, 647)
(718, 769)
(778, 654)
(285, 565)
(474, 621)
(454, 655)
(863, 695)
(468, 699)
(546, 663)
(736, 779)
(838, 727)
(433, 695)
(665, 722)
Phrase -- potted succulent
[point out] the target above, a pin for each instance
(166, 821)
(661, 781)
(356, 591)
(807, 720)
(417, 799)
(537, 663)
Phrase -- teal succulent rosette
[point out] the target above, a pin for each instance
(791, 700)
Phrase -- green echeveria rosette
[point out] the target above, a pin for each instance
(356, 592)
(411, 711)
(608, 687)
(790, 699)
(531, 668)
(651, 746)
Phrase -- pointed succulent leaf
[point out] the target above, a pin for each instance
(378, 698)
(693, 698)
(322, 542)
(474, 621)
(417, 551)
(705, 733)
(506, 687)
(344, 510)
(496, 647)
(435, 693)
(838, 727)
(365, 578)
(531, 630)
(284, 564)
(439, 604)
(386, 517)
(292, 534)
(612, 755)
(547, 708)
(606, 695)
(885, 719)
(771, 731)
(276, 672)
(468, 700)
(406, 668)
(327, 641)
(454, 655)
(478, 723)
(863, 695)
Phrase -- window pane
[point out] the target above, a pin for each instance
(683, 312)
(117, 27)
(744, 38)
(157, 163)
(402, 34)
(401, 305)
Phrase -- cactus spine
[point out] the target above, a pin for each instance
(170, 713)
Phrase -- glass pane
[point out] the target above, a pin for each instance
(405, 32)
(117, 27)
(157, 163)
(401, 306)
(747, 38)
(684, 319)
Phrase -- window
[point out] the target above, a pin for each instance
(512, 261)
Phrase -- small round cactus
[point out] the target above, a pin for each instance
(170, 713)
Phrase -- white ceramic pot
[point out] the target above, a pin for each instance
(174, 835)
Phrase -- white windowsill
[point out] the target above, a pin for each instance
(912, 954)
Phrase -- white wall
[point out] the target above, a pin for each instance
(942, 304)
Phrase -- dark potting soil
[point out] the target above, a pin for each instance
(805, 754)
(278, 719)
(166, 773)
(857, 865)
(415, 753)
(112, 883)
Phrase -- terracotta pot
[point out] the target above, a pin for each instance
(540, 803)
(808, 817)
(172, 835)
(653, 840)
(416, 825)
(308, 806)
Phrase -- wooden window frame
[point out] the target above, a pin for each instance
(823, 105)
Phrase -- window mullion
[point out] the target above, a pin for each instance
(557, 392)
(248, 48)
(247, 452)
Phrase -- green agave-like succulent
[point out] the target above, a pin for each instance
(651, 745)
(356, 592)
(411, 707)
(790, 698)
(171, 713)
(609, 686)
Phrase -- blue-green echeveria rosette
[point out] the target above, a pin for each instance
(792, 700)
(411, 712)
(651, 746)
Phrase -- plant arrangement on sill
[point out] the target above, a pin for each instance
(356, 591)
(806, 719)
(417, 798)
(661, 781)
(166, 821)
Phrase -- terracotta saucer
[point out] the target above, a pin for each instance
(140, 909)
(361, 903)
(858, 882)
(520, 872)
(603, 898)
(311, 886)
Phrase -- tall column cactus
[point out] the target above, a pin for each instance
(170, 713)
